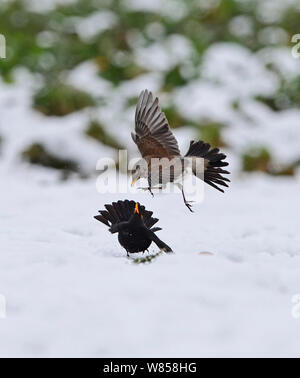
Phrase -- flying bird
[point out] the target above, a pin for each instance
(162, 162)
(134, 225)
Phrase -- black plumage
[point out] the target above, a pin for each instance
(213, 163)
(134, 225)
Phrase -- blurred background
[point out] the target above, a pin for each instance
(223, 71)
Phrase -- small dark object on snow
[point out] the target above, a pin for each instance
(134, 225)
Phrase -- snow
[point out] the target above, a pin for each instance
(173, 9)
(231, 73)
(231, 64)
(89, 27)
(280, 58)
(71, 290)
(166, 54)
(63, 136)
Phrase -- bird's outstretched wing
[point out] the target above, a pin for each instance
(152, 131)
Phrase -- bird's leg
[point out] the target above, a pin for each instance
(187, 204)
(148, 188)
(127, 253)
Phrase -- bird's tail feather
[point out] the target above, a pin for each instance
(122, 211)
(213, 163)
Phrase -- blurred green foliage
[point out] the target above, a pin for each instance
(211, 132)
(261, 159)
(174, 79)
(286, 97)
(174, 117)
(257, 159)
(32, 36)
(61, 99)
(96, 130)
(39, 155)
(146, 259)
(51, 44)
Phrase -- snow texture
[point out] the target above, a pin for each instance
(71, 290)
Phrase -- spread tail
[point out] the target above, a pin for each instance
(213, 164)
(122, 211)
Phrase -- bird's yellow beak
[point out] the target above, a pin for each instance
(133, 182)
(136, 209)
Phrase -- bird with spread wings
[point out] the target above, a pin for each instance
(162, 162)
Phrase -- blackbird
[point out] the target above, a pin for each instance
(134, 225)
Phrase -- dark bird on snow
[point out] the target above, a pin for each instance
(159, 147)
(134, 225)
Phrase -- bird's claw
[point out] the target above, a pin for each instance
(141, 188)
(189, 206)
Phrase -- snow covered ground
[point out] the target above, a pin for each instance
(71, 290)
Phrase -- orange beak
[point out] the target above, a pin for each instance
(136, 209)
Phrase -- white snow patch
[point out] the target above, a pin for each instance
(71, 291)
(166, 54)
(94, 24)
(237, 69)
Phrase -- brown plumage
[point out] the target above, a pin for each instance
(152, 131)
(155, 140)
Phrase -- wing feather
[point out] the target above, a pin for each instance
(152, 131)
